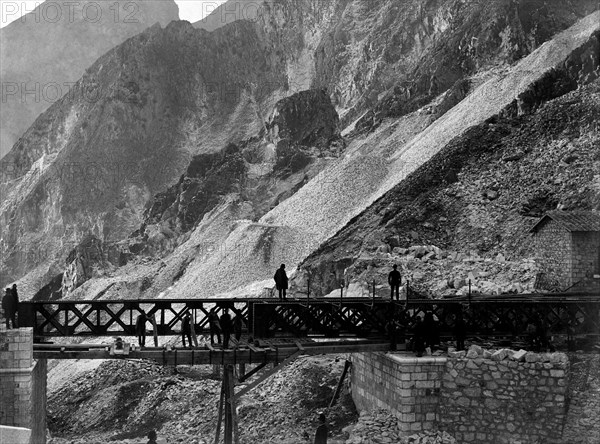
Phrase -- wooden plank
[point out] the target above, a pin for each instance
(268, 374)
(232, 401)
(220, 414)
(252, 372)
(206, 356)
(347, 365)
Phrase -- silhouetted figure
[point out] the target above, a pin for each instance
(226, 327)
(460, 331)
(10, 304)
(322, 431)
(214, 326)
(150, 318)
(401, 324)
(394, 279)
(151, 437)
(571, 330)
(419, 337)
(140, 328)
(431, 330)
(531, 333)
(186, 329)
(237, 326)
(281, 281)
(543, 337)
(392, 330)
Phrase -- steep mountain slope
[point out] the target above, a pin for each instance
(412, 49)
(297, 226)
(45, 52)
(88, 168)
(479, 195)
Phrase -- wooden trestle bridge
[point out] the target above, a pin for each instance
(277, 331)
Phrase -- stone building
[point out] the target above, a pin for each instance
(568, 247)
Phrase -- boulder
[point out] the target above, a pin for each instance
(500, 355)
(519, 356)
(472, 354)
(532, 357)
(477, 349)
(457, 354)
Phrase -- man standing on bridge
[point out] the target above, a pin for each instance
(226, 327)
(281, 281)
(140, 328)
(10, 305)
(214, 326)
(394, 279)
(186, 330)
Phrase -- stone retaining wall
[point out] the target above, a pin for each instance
(497, 398)
(409, 387)
(504, 401)
(22, 384)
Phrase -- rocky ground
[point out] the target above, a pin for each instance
(438, 273)
(380, 427)
(120, 402)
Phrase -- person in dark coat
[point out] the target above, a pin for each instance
(281, 281)
(431, 330)
(460, 331)
(392, 330)
(322, 431)
(419, 337)
(214, 326)
(10, 305)
(394, 279)
(226, 327)
(186, 329)
(237, 326)
(140, 328)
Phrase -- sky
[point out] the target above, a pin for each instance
(190, 10)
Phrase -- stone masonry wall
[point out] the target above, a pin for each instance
(408, 387)
(16, 366)
(505, 401)
(586, 261)
(22, 384)
(553, 246)
(504, 397)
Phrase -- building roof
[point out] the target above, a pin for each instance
(571, 220)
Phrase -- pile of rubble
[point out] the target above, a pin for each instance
(475, 351)
(438, 273)
(381, 427)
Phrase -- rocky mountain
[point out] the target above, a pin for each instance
(47, 50)
(90, 168)
(228, 254)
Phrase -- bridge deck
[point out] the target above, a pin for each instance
(244, 354)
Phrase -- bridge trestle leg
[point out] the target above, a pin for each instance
(227, 409)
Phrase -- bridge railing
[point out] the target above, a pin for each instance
(325, 317)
